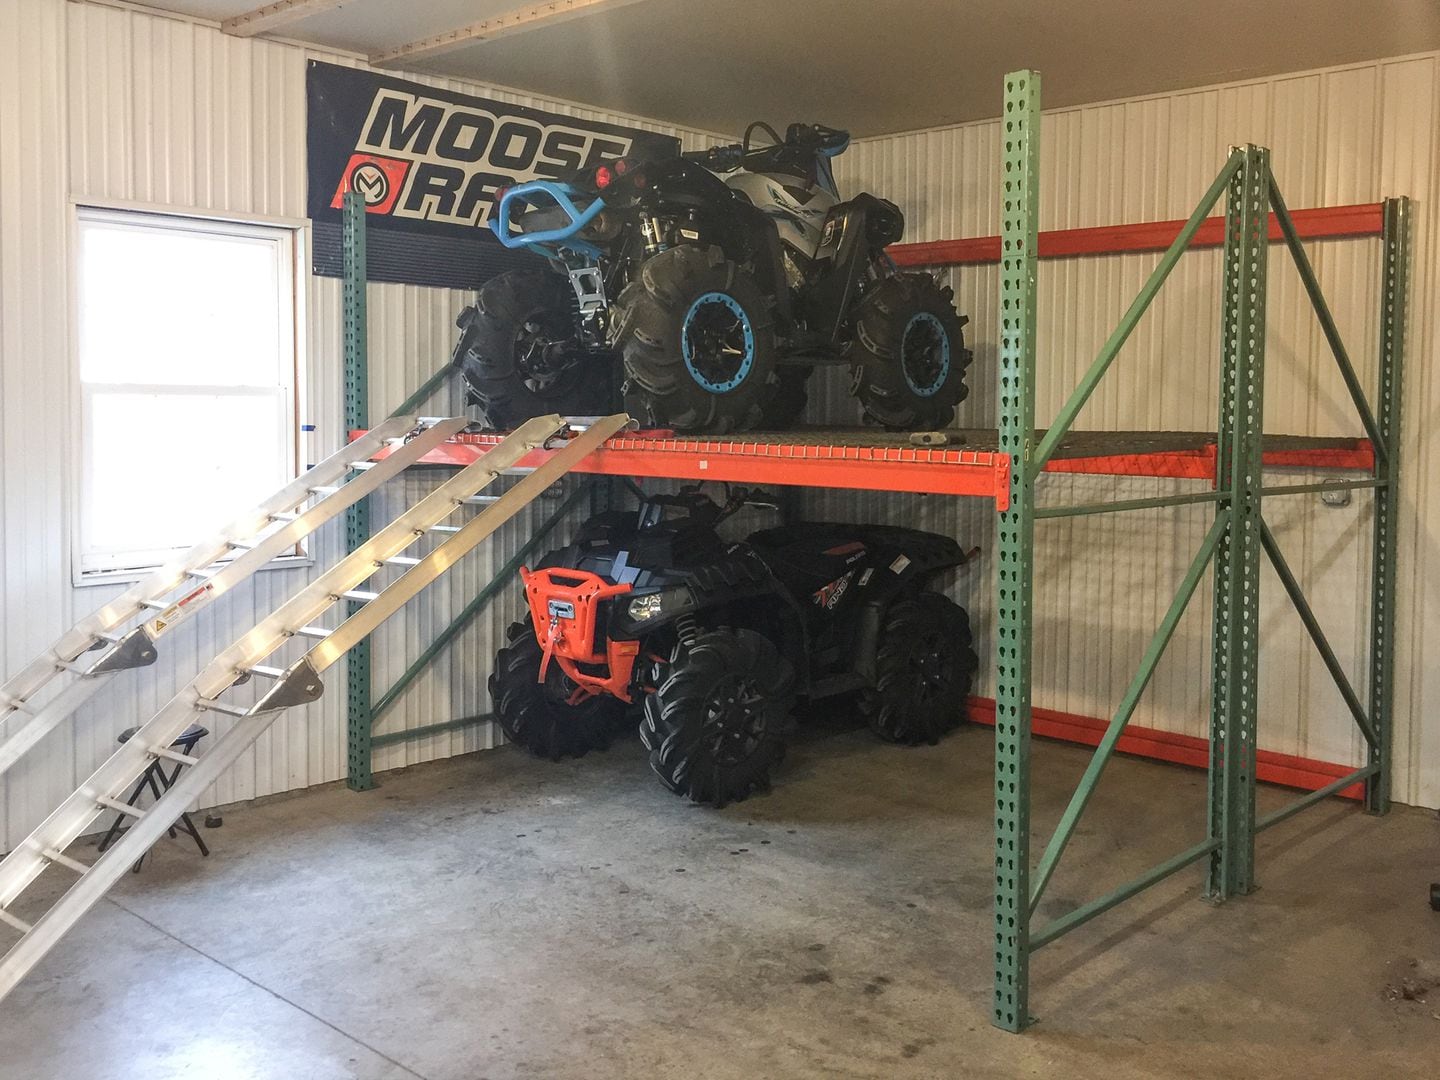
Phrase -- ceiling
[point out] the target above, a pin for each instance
(873, 66)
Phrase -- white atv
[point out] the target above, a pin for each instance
(720, 295)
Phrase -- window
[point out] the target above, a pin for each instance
(186, 339)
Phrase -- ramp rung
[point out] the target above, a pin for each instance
(284, 515)
(314, 631)
(7, 702)
(444, 528)
(361, 466)
(173, 755)
(243, 545)
(118, 806)
(75, 866)
(403, 560)
(14, 923)
(359, 595)
(482, 500)
(74, 666)
(203, 575)
(324, 489)
(211, 705)
(266, 672)
(154, 605)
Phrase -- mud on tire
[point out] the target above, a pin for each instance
(536, 715)
(910, 356)
(785, 401)
(924, 670)
(516, 315)
(717, 724)
(698, 341)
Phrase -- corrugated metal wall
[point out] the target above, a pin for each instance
(102, 103)
(1349, 135)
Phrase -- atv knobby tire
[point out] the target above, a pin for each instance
(515, 313)
(924, 669)
(535, 715)
(717, 724)
(910, 356)
(698, 341)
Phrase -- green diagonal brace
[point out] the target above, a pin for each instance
(1106, 749)
(1317, 635)
(1060, 427)
(503, 577)
(428, 387)
(1327, 321)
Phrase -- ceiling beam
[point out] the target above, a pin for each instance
(532, 16)
(271, 16)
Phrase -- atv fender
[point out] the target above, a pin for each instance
(927, 559)
(719, 586)
(856, 233)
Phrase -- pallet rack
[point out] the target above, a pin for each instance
(1005, 465)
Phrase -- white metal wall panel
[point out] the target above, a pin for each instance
(104, 103)
(1356, 134)
(98, 102)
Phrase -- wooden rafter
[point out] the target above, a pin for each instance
(269, 17)
(530, 17)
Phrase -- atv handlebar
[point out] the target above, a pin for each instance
(801, 143)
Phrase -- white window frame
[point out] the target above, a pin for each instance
(292, 237)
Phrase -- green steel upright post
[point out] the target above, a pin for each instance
(1235, 633)
(1394, 287)
(358, 716)
(1015, 585)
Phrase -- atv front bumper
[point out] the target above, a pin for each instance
(564, 607)
(556, 194)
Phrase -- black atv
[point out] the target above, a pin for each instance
(713, 642)
(721, 295)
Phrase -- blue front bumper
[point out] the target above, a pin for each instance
(548, 241)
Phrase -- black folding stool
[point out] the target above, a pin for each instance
(159, 781)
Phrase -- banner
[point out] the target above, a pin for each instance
(428, 163)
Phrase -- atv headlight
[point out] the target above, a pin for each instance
(644, 607)
(665, 602)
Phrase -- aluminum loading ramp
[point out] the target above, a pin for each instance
(252, 541)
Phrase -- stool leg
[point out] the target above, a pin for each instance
(156, 784)
(189, 826)
(120, 818)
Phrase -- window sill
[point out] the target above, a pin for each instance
(131, 574)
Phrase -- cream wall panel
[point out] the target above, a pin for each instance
(102, 103)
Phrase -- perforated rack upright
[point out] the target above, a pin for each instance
(1233, 545)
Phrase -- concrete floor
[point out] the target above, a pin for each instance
(495, 916)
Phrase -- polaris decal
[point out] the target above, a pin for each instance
(429, 161)
(829, 595)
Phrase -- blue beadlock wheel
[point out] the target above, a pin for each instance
(925, 354)
(717, 341)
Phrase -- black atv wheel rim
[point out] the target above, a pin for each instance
(734, 721)
(932, 670)
(718, 342)
(559, 688)
(925, 354)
